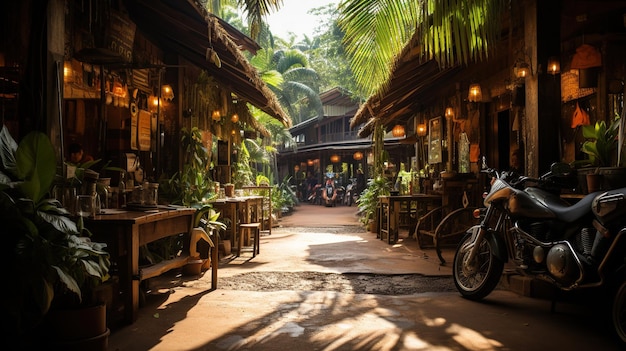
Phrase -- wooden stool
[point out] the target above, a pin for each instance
(255, 230)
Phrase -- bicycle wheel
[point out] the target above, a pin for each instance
(426, 226)
(452, 228)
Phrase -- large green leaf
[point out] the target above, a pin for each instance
(8, 146)
(36, 165)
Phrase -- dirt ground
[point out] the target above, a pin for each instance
(359, 283)
(380, 284)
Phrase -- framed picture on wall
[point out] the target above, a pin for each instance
(435, 133)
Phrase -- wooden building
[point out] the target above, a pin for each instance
(124, 77)
(529, 90)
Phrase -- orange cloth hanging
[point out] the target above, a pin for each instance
(580, 118)
(586, 56)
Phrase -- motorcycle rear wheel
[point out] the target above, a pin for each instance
(477, 279)
(618, 313)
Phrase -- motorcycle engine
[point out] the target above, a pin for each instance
(562, 264)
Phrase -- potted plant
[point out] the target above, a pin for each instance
(206, 218)
(601, 146)
(192, 187)
(368, 201)
(601, 143)
(49, 261)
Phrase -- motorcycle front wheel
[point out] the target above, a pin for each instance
(476, 279)
(618, 313)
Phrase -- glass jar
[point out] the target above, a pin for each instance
(137, 195)
(151, 194)
(105, 192)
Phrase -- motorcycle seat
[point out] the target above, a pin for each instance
(563, 211)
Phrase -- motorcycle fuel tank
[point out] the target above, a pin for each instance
(524, 204)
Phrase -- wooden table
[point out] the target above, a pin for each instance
(390, 208)
(241, 209)
(125, 231)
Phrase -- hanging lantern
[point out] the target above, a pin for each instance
(335, 158)
(216, 115)
(521, 70)
(449, 112)
(554, 66)
(358, 156)
(398, 131)
(475, 93)
(234, 118)
(167, 93)
(118, 89)
(153, 103)
(421, 129)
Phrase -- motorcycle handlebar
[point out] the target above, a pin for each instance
(519, 181)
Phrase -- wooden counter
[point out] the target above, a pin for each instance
(125, 231)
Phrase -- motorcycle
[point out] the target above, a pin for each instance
(526, 223)
(315, 195)
(329, 194)
(351, 194)
(341, 193)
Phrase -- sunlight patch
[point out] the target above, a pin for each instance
(435, 322)
(471, 339)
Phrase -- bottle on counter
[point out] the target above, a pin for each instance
(121, 191)
(104, 192)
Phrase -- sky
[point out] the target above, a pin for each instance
(293, 17)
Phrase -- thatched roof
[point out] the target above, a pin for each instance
(406, 91)
(185, 28)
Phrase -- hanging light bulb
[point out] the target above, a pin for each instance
(216, 115)
(234, 118)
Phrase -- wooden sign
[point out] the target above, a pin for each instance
(121, 35)
(144, 130)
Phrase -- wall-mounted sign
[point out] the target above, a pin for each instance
(435, 133)
(144, 130)
(121, 35)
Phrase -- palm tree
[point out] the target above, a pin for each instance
(255, 11)
(452, 32)
(288, 75)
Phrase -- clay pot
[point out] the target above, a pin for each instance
(78, 329)
(193, 267)
(229, 190)
(594, 182)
